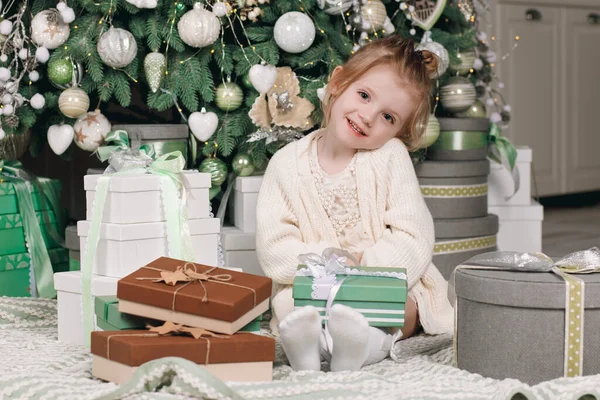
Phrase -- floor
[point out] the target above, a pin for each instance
(568, 229)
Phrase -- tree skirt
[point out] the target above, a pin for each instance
(34, 365)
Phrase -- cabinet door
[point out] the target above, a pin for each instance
(582, 88)
(531, 75)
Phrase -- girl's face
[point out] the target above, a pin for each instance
(371, 111)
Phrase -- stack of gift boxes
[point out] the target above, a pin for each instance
(16, 276)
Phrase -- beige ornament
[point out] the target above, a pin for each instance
(282, 106)
(90, 130)
(48, 29)
(73, 102)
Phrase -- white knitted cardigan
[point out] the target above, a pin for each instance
(291, 221)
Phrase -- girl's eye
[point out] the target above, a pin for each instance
(388, 118)
(364, 95)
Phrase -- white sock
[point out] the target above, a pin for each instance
(349, 332)
(299, 332)
(379, 346)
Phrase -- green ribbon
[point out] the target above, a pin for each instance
(502, 151)
(579, 262)
(13, 172)
(461, 140)
(168, 168)
(117, 141)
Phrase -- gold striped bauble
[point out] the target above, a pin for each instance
(229, 96)
(466, 60)
(458, 94)
(73, 102)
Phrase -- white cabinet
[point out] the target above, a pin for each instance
(552, 82)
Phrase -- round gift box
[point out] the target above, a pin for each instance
(457, 240)
(461, 139)
(511, 324)
(455, 189)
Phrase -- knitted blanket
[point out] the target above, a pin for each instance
(34, 365)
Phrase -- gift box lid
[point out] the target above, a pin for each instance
(71, 238)
(10, 221)
(464, 124)
(71, 282)
(248, 184)
(452, 169)
(544, 290)
(456, 228)
(532, 212)
(145, 182)
(135, 347)
(227, 301)
(23, 260)
(154, 131)
(148, 230)
(6, 186)
(358, 288)
(106, 308)
(233, 238)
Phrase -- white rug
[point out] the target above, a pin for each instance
(34, 365)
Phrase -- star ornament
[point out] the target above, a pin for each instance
(79, 136)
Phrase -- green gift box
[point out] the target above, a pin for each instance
(12, 234)
(14, 271)
(381, 299)
(8, 197)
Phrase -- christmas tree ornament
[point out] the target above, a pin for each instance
(431, 134)
(220, 9)
(75, 68)
(90, 130)
(60, 71)
(143, 3)
(458, 94)
(42, 54)
(117, 47)
(466, 60)
(216, 168)
(9, 109)
(441, 53)
(371, 16)
(34, 76)
(333, 7)
(23, 54)
(12, 86)
(7, 98)
(60, 138)
(425, 13)
(48, 29)
(246, 82)
(229, 96)
(3, 58)
(73, 102)
(262, 77)
(476, 110)
(199, 27)
(68, 15)
(294, 32)
(467, 9)
(155, 65)
(6, 27)
(203, 124)
(37, 101)
(243, 165)
(4, 74)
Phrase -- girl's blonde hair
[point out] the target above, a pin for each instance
(413, 68)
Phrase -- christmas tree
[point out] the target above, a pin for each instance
(245, 75)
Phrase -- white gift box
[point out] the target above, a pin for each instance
(501, 184)
(68, 289)
(239, 250)
(124, 248)
(520, 227)
(245, 198)
(137, 198)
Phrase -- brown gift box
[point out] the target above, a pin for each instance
(229, 305)
(240, 357)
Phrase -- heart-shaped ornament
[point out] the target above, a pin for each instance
(60, 138)
(262, 77)
(203, 124)
(425, 13)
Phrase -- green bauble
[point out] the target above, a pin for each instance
(60, 71)
(476, 110)
(246, 82)
(217, 170)
(243, 165)
(229, 96)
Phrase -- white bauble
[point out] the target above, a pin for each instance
(4, 74)
(48, 29)
(61, 6)
(23, 53)
(3, 58)
(442, 56)
(90, 130)
(199, 27)
(203, 124)
(117, 47)
(60, 138)
(262, 77)
(294, 32)
(143, 3)
(220, 9)
(458, 94)
(68, 15)
(34, 76)
(7, 98)
(6, 27)
(8, 109)
(37, 101)
(42, 54)
(333, 7)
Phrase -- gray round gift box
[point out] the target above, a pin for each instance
(460, 124)
(455, 173)
(511, 324)
(457, 229)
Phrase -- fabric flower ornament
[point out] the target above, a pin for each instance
(281, 105)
